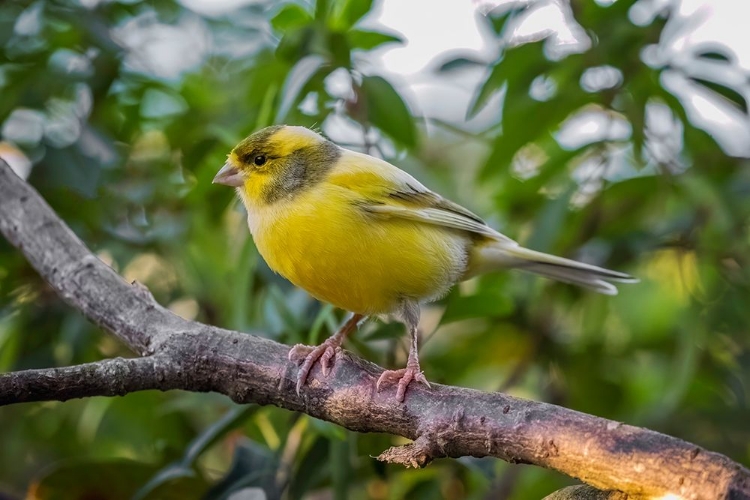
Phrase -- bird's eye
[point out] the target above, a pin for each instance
(260, 160)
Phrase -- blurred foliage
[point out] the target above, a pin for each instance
(120, 113)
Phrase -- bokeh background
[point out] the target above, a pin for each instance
(613, 131)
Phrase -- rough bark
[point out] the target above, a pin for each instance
(443, 421)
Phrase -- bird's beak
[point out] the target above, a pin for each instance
(229, 175)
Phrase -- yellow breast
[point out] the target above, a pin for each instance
(323, 243)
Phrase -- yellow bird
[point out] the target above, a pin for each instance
(365, 236)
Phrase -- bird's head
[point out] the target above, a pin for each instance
(276, 163)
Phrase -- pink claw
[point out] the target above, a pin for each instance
(308, 355)
(404, 376)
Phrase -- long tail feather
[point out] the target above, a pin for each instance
(594, 278)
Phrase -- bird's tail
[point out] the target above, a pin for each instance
(503, 256)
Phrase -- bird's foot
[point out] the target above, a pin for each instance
(308, 355)
(403, 377)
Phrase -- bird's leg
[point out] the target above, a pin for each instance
(308, 355)
(412, 371)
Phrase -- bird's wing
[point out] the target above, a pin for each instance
(384, 190)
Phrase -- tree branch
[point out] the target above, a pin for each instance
(111, 377)
(443, 421)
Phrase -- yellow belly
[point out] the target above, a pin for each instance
(358, 262)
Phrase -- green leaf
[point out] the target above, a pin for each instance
(346, 13)
(460, 63)
(184, 468)
(289, 17)
(368, 40)
(324, 316)
(492, 85)
(341, 467)
(392, 330)
(213, 433)
(310, 469)
(499, 20)
(253, 465)
(481, 305)
(715, 54)
(167, 475)
(110, 479)
(728, 93)
(69, 167)
(246, 264)
(634, 106)
(322, 9)
(551, 220)
(248, 494)
(328, 429)
(519, 66)
(339, 49)
(298, 77)
(296, 43)
(387, 111)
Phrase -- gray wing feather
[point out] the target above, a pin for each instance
(439, 217)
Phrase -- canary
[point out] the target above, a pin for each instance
(361, 234)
